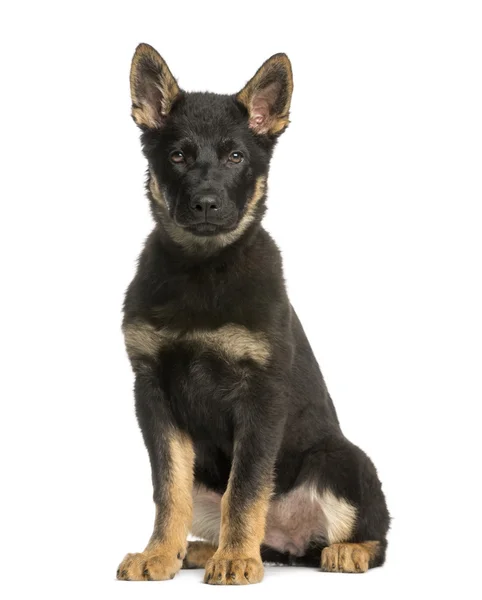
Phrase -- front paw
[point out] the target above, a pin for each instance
(149, 566)
(233, 571)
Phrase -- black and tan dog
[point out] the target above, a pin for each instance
(243, 438)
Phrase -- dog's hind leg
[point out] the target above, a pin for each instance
(198, 553)
(344, 481)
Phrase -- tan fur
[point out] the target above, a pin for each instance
(166, 549)
(231, 342)
(249, 213)
(145, 116)
(198, 553)
(143, 111)
(155, 191)
(141, 340)
(243, 536)
(339, 514)
(235, 342)
(180, 494)
(193, 243)
(233, 571)
(237, 561)
(349, 558)
(246, 96)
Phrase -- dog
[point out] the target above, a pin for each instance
(243, 438)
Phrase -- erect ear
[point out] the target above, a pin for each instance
(153, 88)
(267, 96)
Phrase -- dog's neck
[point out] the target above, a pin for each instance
(188, 249)
(196, 249)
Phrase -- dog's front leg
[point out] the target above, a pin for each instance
(245, 503)
(172, 461)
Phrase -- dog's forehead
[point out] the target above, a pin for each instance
(209, 116)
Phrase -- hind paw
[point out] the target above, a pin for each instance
(345, 558)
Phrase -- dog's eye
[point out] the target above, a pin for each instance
(236, 157)
(177, 157)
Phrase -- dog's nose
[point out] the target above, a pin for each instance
(207, 205)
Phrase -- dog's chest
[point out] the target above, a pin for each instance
(231, 343)
(203, 371)
(206, 376)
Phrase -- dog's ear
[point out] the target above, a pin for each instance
(267, 96)
(153, 88)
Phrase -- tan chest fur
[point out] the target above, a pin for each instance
(231, 342)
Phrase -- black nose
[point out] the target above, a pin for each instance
(205, 205)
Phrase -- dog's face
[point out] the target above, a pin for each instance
(208, 154)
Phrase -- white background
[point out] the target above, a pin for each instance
(378, 179)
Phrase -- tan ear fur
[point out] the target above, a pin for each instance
(153, 88)
(267, 96)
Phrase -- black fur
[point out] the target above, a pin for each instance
(279, 414)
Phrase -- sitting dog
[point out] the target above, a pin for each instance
(244, 442)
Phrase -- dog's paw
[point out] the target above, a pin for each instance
(236, 571)
(198, 553)
(345, 558)
(149, 566)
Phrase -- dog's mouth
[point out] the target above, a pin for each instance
(204, 229)
(208, 229)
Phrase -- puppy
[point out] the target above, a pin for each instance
(244, 442)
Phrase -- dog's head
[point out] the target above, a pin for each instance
(208, 153)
